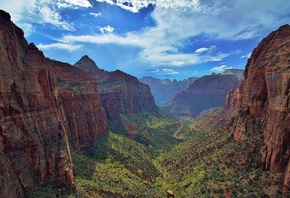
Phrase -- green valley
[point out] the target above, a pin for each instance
(200, 164)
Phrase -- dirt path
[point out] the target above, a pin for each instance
(175, 135)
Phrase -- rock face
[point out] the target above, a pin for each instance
(42, 109)
(205, 93)
(120, 93)
(164, 90)
(263, 100)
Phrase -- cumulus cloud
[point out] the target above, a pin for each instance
(27, 12)
(48, 15)
(220, 69)
(107, 29)
(176, 21)
(213, 17)
(65, 46)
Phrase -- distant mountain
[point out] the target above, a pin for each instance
(120, 93)
(204, 93)
(164, 90)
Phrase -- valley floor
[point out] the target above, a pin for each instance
(199, 164)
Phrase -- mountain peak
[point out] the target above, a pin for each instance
(87, 64)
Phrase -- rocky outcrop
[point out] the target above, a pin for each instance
(164, 90)
(120, 93)
(205, 93)
(263, 101)
(42, 109)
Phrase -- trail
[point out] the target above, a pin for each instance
(175, 135)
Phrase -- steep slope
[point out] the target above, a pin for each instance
(164, 90)
(120, 93)
(263, 100)
(38, 117)
(205, 93)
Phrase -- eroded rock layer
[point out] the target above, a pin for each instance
(44, 105)
(120, 93)
(263, 100)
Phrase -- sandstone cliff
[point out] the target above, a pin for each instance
(164, 90)
(205, 93)
(263, 101)
(42, 109)
(120, 93)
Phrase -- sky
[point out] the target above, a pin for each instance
(174, 39)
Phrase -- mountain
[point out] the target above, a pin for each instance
(46, 108)
(204, 93)
(120, 93)
(164, 90)
(263, 102)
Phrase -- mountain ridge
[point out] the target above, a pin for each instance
(204, 93)
(164, 90)
(120, 93)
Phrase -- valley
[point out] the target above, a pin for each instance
(81, 131)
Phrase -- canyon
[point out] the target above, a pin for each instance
(52, 113)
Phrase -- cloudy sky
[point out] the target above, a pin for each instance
(160, 38)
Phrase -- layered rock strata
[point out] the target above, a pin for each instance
(120, 93)
(263, 100)
(44, 106)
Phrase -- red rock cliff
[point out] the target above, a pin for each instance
(40, 113)
(120, 93)
(263, 100)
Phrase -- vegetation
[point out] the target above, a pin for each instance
(188, 162)
(153, 129)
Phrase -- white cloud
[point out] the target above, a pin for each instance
(246, 56)
(200, 50)
(48, 15)
(176, 21)
(220, 69)
(25, 13)
(131, 5)
(107, 29)
(169, 71)
(216, 18)
(95, 14)
(64, 46)
(81, 3)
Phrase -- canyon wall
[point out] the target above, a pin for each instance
(44, 106)
(120, 93)
(263, 101)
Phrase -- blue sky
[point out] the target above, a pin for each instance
(160, 38)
